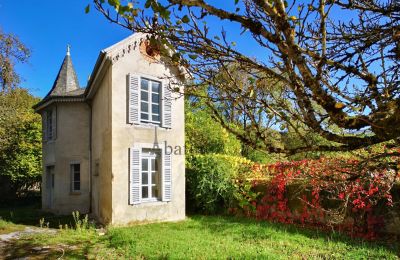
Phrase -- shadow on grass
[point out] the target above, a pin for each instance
(28, 249)
(224, 224)
(31, 215)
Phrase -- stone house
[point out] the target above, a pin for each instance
(107, 148)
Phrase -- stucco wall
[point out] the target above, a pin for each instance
(71, 145)
(125, 135)
(101, 150)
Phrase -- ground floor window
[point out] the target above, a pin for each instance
(75, 177)
(150, 175)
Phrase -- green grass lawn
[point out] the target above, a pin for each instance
(205, 237)
(7, 227)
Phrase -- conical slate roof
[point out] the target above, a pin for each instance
(65, 87)
(66, 83)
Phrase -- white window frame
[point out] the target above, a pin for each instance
(150, 102)
(162, 199)
(150, 154)
(72, 174)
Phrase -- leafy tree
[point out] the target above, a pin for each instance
(12, 50)
(20, 127)
(20, 143)
(341, 56)
(204, 135)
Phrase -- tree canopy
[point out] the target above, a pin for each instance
(20, 143)
(12, 51)
(336, 63)
(20, 127)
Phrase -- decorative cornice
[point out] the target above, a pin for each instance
(46, 102)
(125, 49)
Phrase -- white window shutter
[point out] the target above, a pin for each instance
(167, 178)
(167, 107)
(44, 125)
(135, 191)
(54, 123)
(134, 99)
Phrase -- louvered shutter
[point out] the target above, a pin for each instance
(135, 191)
(167, 178)
(54, 123)
(44, 125)
(134, 99)
(167, 107)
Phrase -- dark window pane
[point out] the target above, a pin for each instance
(154, 178)
(77, 167)
(153, 164)
(145, 192)
(144, 84)
(155, 87)
(155, 118)
(144, 165)
(144, 116)
(144, 107)
(144, 96)
(156, 163)
(155, 109)
(77, 176)
(155, 98)
(145, 177)
(77, 185)
(154, 192)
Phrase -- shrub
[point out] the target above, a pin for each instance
(211, 181)
(330, 193)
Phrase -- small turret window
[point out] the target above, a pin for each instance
(49, 125)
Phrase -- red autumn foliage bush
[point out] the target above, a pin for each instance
(336, 194)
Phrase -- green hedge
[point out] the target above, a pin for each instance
(210, 181)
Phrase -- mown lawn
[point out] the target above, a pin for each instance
(205, 237)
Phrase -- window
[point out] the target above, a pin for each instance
(150, 175)
(49, 124)
(49, 121)
(75, 177)
(150, 101)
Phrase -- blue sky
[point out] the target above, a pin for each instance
(46, 27)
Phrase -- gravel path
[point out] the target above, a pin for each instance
(6, 240)
(27, 231)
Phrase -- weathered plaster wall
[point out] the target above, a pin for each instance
(70, 145)
(125, 135)
(101, 150)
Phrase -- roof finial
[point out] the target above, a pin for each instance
(68, 49)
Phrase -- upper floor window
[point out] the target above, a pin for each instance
(150, 92)
(49, 124)
(149, 102)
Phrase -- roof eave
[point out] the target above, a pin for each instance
(98, 70)
(53, 99)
